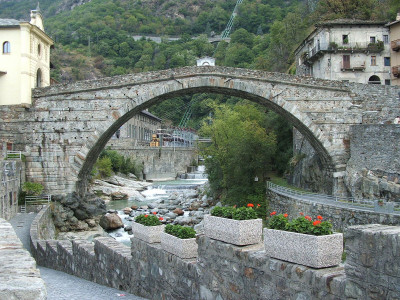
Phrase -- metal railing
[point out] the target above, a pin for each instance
(36, 200)
(14, 155)
(377, 205)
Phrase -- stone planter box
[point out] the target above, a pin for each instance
(183, 248)
(236, 232)
(304, 249)
(148, 234)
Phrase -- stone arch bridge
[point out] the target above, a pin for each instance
(68, 125)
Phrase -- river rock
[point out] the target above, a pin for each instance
(91, 222)
(128, 228)
(110, 221)
(119, 196)
(134, 207)
(178, 211)
(171, 215)
(154, 210)
(183, 220)
(151, 205)
(127, 210)
(195, 205)
(199, 228)
(144, 207)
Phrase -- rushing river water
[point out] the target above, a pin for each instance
(157, 191)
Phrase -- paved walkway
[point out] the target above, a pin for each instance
(62, 286)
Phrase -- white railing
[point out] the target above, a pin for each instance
(374, 205)
(14, 154)
(36, 200)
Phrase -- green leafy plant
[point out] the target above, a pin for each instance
(302, 224)
(182, 232)
(32, 188)
(148, 220)
(241, 213)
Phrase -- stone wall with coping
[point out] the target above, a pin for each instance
(159, 163)
(19, 277)
(225, 271)
(341, 217)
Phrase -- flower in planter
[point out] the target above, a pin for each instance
(240, 213)
(302, 224)
(147, 220)
(250, 205)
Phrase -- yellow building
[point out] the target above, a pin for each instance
(394, 29)
(24, 58)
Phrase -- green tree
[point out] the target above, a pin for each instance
(241, 150)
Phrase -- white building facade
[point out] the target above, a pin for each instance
(24, 59)
(346, 50)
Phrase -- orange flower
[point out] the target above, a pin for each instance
(250, 205)
(285, 215)
(308, 218)
(154, 213)
(315, 223)
(258, 205)
(273, 213)
(146, 216)
(319, 217)
(161, 218)
(301, 214)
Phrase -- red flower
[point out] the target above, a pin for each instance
(258, 205)
(154, 213)
(234, 206)
(315, 223)
(308, 218)
(161, 218)
(301, 214)
(146, 216)
(273, 213)
(319, 217)
(285, 215)
(250, 205)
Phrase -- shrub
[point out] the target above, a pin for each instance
(32, 188)
(241, 213)
(104, 167)
(278, 222)
(148, 220)
(182, 232)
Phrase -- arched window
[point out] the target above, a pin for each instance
(6, 47)
(39, 78)
(374, 80)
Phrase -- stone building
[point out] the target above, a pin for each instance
(347, 50)
(394, 28)
(24, 58)
(137, 131)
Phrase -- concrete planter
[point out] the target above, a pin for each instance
(183, 248)
(304, 249)
(243, 232)
(148, 234)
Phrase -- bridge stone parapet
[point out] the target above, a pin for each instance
(68, 125)
(19, 277)
(225, 271)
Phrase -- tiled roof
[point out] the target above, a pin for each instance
(350, 22)
(9, 23)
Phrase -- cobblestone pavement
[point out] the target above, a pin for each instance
(62, 286)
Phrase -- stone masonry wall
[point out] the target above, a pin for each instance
(225, 271)
(373, 170)
(160, 163)
(19, 277)
(12, 176)
(340, 217)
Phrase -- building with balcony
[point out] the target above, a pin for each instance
(24, 58)
(394, 29)
(347, 50)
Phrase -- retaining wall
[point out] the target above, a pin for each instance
(19, 277)
(225, 271)
(340, 217)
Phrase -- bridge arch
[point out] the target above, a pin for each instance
(80, 115)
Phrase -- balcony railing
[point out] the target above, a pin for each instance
(395, 45)
(352, 67)
(318, 50)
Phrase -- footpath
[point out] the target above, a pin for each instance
(62, 286)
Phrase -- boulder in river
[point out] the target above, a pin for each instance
(178, 211)
(119, 196)
(111, 221)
